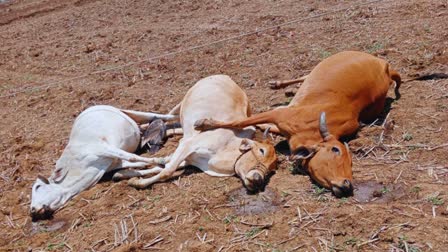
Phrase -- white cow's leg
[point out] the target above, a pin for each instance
(143, 117)
(182, 152)
(169, 132)
(127, 174)
(125, 164)
(115, 152)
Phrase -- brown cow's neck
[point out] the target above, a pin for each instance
(301, 122)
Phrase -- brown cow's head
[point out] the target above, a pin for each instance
(257, 161)
(329, 162)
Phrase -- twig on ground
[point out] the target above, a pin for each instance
(166, 218)
(367, 242)
(262, 226)
(153, 242)
(398, 177)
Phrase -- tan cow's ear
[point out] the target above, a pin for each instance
(245, 145)
(304, 152)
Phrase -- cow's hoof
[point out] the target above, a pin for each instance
(136, 183)
(274, 85)
(118, 176)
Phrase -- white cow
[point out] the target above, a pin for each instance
(102, 139)
(219, 152)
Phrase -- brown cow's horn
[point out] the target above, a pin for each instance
(347, 147)
(266, 132)
(43, 179)
(323, 126)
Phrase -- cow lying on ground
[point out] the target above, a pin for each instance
(341, 90)
(220, 152)
(102, 139)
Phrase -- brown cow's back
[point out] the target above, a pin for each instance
(353, 79)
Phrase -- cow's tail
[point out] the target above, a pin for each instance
(175, 110)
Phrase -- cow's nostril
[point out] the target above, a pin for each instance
(343, 190)
(33, 210)
(257, 180)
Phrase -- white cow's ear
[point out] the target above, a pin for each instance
(246, 145)
(58, 175)
(43, 179)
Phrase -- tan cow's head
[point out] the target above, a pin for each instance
(328, 162)
(257, 161)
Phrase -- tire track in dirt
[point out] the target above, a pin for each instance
(33, 10)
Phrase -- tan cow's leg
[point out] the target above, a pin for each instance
(182, 152)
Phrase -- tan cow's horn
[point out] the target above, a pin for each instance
(43, 179)
(266, 132)
(323, 126)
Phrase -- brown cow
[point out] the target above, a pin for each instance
(346, 88)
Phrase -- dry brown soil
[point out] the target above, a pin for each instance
(401, 202)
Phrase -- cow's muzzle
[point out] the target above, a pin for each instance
(42, 214)
(343, 190)
(254, 182)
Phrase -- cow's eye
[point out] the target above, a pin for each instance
(37, 187)
(336, 150)
(262, 151)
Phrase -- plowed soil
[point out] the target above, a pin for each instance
(59, 57)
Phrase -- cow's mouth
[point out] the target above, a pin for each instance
(254, 181)
(43, 214)
(346, 190)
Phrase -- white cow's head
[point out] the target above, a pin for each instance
(48, 195)
(46, 198)
(68, 179)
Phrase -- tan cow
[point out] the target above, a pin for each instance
(220, 152)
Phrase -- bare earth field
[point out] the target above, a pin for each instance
(53, 53)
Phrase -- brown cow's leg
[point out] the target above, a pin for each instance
(283, 84)
(265, 117)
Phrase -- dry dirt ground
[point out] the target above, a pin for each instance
(401, 170)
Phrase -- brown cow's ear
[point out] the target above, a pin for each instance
(246, 145)
(304, 152)
(43, 179)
